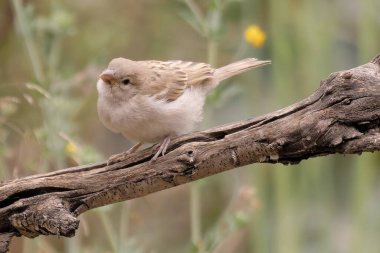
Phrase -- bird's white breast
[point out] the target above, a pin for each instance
(143, 118)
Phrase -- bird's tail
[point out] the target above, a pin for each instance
(238, 67)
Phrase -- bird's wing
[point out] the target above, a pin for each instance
(170, 79)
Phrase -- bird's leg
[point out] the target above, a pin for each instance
(162, 149)
(122, 156)
(134, 148)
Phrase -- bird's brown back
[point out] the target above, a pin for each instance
(169, 79)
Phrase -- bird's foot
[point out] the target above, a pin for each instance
(162, 149)
(122, 156)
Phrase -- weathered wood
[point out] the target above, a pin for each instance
(341, 116)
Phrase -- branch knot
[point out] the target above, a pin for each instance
(49, 217)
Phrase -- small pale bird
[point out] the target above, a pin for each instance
(154, 101)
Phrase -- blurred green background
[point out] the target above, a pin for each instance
(52, 52)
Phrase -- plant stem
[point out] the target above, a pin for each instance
(195, 210)
(197, 13)
(212, 57)
(124, 224)
(28, 38)
(106, 221)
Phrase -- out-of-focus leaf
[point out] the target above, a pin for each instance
(8, 105)
(39, 89)
(192, 21)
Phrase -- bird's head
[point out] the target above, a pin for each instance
(121, 79)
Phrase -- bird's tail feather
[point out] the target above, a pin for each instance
(238, 68)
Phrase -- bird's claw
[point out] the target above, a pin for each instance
(117, 158)
(161, 150)
(122, 156)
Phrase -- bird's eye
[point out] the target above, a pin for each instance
(125, 81)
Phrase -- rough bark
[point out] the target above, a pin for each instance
(341, 116)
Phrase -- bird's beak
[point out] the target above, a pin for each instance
(108, 76)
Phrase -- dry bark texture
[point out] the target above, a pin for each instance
(341, 116)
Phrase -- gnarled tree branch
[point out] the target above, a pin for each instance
(341, 116)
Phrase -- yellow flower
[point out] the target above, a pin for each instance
(71, 148)
(255, 36)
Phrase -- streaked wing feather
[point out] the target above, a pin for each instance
(172, 78)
